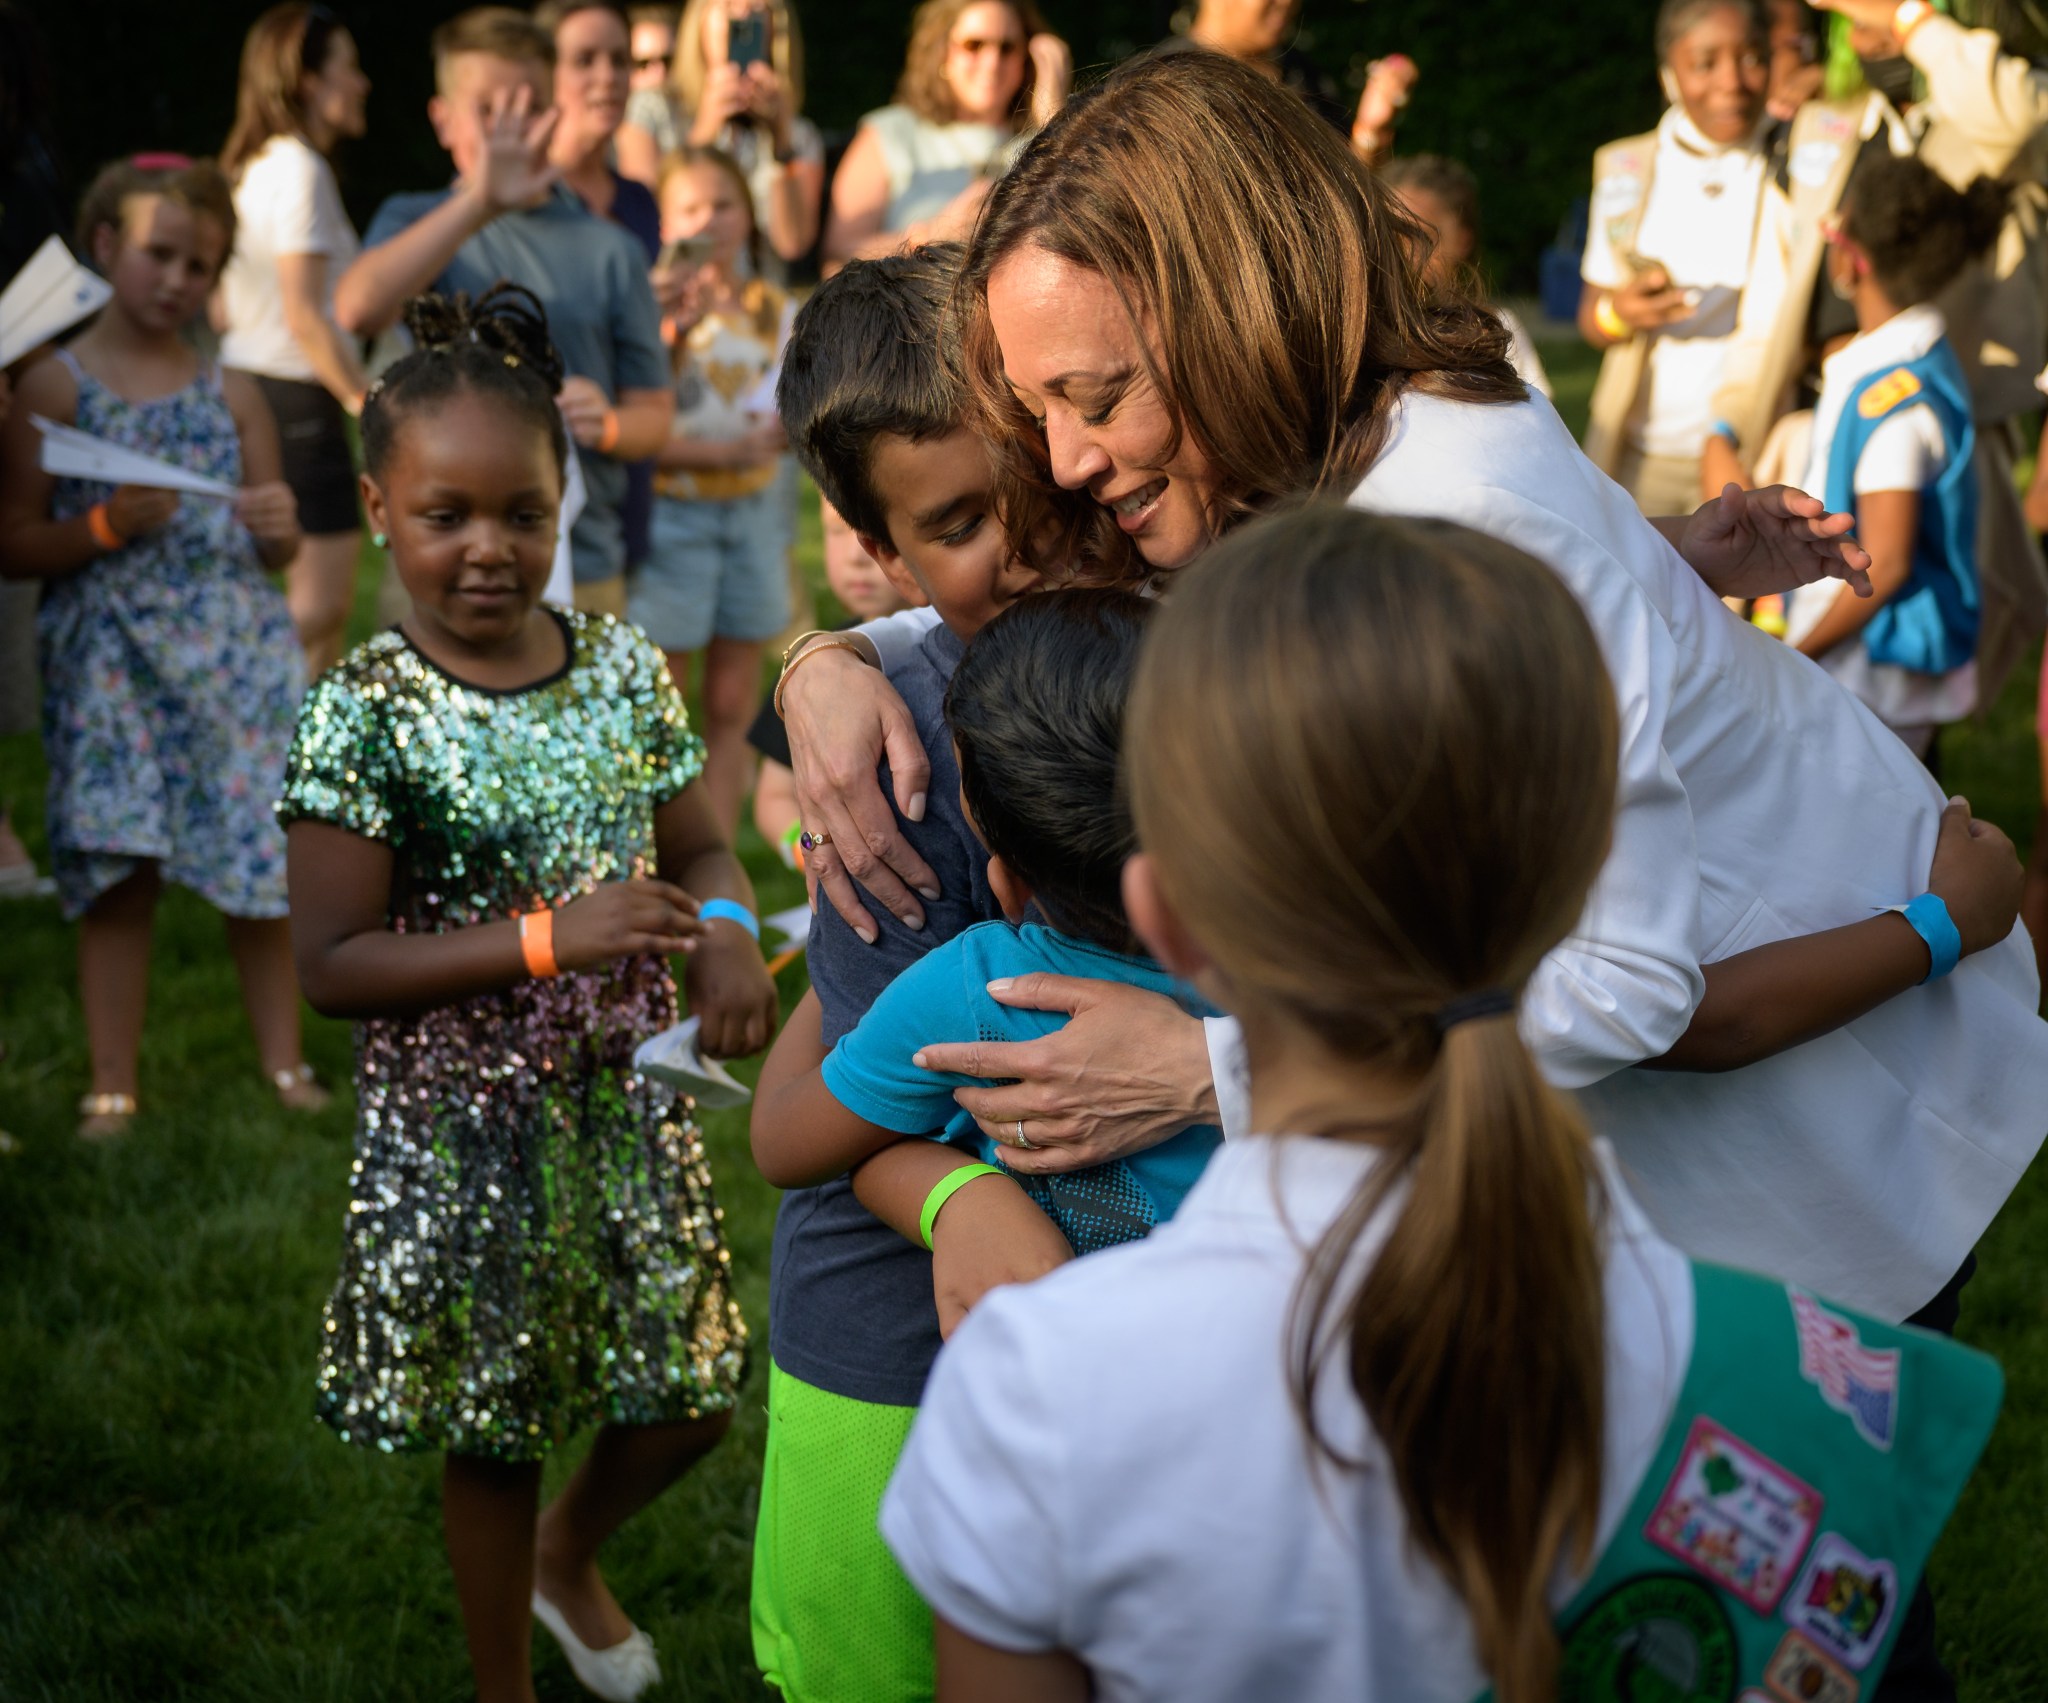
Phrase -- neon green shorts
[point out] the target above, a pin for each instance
(834, 1619)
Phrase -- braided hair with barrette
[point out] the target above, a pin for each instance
(496, 345)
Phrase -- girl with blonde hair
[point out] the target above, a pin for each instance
(979, 74)
(748, 107)
(1409, 1382)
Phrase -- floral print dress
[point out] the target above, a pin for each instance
(171, 675)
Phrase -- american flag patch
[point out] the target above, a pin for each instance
(1852, 1379)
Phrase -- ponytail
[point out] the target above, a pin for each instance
(1477, 1340)
(1403, 799)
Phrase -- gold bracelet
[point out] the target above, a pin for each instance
(801, 652)
(1612, 325)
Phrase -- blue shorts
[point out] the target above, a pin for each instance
(714, 570)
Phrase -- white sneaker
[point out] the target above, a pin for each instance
(619, 1673)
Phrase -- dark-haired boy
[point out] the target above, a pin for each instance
(507, 215)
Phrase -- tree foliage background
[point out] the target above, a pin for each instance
(1522, 93)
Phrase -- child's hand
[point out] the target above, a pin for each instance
(990, 1233)
(269, 511)
(624, 918)
(583, 407)
(730, 993)
(1977, 874)
(760, 444)
(136, 509)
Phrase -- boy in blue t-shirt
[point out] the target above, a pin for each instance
(1036, 712)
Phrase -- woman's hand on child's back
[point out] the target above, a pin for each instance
(990, 1233)
(269, 511)
(624, 918)
(1978, 875)
(730, 993)
(137, 509)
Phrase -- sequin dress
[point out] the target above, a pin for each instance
(171, 676)
(532, 1243)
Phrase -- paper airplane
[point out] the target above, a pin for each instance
(50, 294)
(794, 922)
(561, 587)
(672, 1057)
(80, 455)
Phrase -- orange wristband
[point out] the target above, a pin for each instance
(101, 525)
(608, 433)
(537, 943)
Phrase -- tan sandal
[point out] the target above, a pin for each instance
(101, 1117)
(299, 1090)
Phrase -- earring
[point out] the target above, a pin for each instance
(378, 539)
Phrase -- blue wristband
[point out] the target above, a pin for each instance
(1721, 429)
(1929, 918)
(712, 909)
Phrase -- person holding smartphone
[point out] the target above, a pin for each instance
(980, 76)
(736, 83)
(1668, 248)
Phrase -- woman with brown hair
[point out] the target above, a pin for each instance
(979, 74)
(1189, 300)
(1409, 1383)
(302, 91)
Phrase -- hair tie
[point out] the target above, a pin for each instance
(161, 162)
(1470, 1007)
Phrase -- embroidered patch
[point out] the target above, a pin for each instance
(1800, 1673)
(1736, 1516)
(1662, 1635)
(1844, 1600)
(1812, 163)
(1887, 393)
(1860, 1382)
(1624, 189)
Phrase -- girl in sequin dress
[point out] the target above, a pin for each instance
(171, 673)
(496, 831)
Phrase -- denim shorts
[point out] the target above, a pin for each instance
(715, 570)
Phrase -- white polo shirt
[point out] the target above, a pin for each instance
(1108, 1460)
(287, 202)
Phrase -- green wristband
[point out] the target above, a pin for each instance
(949, 1185)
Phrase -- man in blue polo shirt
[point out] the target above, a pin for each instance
(507, 216)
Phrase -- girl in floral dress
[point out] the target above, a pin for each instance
(171, 676)
(497, 835)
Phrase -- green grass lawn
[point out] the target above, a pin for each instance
(174, 1524)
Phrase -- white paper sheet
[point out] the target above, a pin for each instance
(672, 1057)
(80, 455)
(50, 294)
(795, 923)
(561, 586)
(761, 399)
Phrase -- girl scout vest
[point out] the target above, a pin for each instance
(1931, 624)
(1812, 1457)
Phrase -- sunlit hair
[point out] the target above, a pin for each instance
(494, 32)
(688, 69)
(196, 185)
(1676, 19)
(496, 347)
(1917, 230)
(1271, 284)
(690, 156)
(551, 15)
(285, 46)
(923, 86)
(1373, 762)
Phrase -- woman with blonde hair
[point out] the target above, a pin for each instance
(1188, 300)
(736, 83)
(979, 75)
(1410, 1381)
(302, 91)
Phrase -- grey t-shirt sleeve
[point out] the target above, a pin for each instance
(896, 637)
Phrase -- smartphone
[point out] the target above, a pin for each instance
(746, 39)
(686, 252)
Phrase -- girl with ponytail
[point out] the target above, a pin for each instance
(1409, 1402)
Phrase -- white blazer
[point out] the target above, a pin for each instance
(1758, 801)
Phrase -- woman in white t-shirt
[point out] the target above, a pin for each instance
(301, 92)
(1668, 248)
(979, 74)
(1855, 1132)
